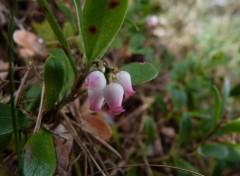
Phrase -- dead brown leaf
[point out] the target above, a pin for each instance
(29, 41)
(97, 126)
(63, 143)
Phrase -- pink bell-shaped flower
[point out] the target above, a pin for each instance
(95, 83)
(96, 80)
(96, 100)
(113, 94)
(124, 79)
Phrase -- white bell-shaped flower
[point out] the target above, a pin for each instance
(96, 80)
(113, 94)
(124, 79)
(95, 83)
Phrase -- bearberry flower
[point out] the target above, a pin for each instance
(113, 94)
(96, 80)
(95, 83)
(96, 100)
(124, 79)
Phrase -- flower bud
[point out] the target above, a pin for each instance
(151, 21)
(96, 80)
(124, 79)
(113, 94)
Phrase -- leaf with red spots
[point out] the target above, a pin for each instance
(101, 22)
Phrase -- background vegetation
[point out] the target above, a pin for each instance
(187, 117)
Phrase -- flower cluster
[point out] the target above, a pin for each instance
(113, 93)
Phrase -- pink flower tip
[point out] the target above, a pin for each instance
(116, 110)
(124, 79)
(94, 108)
(129, 93)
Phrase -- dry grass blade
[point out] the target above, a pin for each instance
(18, 68)
(39, 118)
(81, 145)
(152, 165)
(22, 83)
(105, 144)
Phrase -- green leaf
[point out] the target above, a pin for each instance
(4, 141)
(149, 129)
(80, 42)
(232, 126)
(101, 22)
(183, 164)
(54, 70)
(66, 11)
(68, 30)
(178, 97)
(132, 171)
(217, 151)
(6, 119)
(58, 32)
(42, 27)
(39, 155)
(117, 42)
(68, 71)
(136, 42)
(140, 72)
(32, 97)
(219, 167)
(133, 24)
(160, 102)
(222, 151)
(217, 107)
(233, 153)
(185, 130)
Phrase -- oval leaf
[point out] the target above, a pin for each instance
(101, 22)
(140, 72)
(32, 97)
(217, 107)
(149, 129)
(69, 76)
(6, 126)
(39, 155)
(185, 130)
(217, 151)
(184, 164)
(232, 127)
(54, 76)
(97, 126)
(41, 26)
